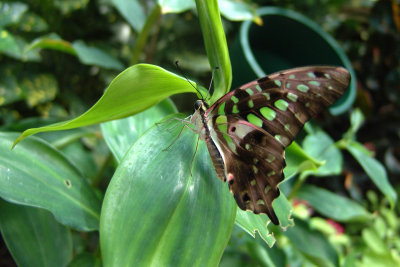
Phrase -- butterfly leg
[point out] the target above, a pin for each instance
(180, 132)
(194, 155)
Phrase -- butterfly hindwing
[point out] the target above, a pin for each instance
(251, 126)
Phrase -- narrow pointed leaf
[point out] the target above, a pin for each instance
(134, 90)
(332, 205)
(90, 55)
(374, 170)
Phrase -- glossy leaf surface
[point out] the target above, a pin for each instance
(121, 134)
(156, 213)
(36, 174)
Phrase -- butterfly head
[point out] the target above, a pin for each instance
(201, 105)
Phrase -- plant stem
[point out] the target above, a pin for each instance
(216, 46)
(144, 34)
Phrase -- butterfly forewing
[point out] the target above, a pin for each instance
(250, 127)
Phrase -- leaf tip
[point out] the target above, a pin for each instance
(258, 20)
(19, 139)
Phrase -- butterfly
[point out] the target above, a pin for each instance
(248, 129)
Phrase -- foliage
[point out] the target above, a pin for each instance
(140, 190)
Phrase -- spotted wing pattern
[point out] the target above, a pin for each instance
(251, 126)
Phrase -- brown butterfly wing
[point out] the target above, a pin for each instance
(252, 125)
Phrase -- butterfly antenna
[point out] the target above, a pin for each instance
(181, 72)
(212, 79)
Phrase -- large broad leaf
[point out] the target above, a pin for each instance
(34, 237)
(134, 90)
(332, 205)
(162, 209)
(121, 134)
(373, 168)
(36, 174)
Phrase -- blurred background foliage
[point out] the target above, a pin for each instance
(57, 57)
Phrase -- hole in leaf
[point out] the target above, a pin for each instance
(67, 183)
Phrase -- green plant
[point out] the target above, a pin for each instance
(160, 207)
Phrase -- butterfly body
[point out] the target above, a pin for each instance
(248, 129)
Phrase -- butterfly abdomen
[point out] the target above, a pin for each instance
(216, 160)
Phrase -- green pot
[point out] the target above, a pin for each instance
(286, 40)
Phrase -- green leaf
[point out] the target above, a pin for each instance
(320, 146)
(373, 168)
(370, 258)
(54, 42)
(94, 56)
(142, 37)
(252, 223)
(34, 237)
(374, 241)
(283, 211)
(135, 89)
(7, 43)
(31, 22)
(356, 121)
(216, 46)
(71, 5)
(11, 13)
(238, 11)
(162, 209)
(132, 11)
(19, 51)
(86, 54)
(64, 138)
(332, 205)
(121, 134)
(312, 244)
(176, 6)
(297, 160)
(82, 159)
(35, 174)
(264, 256)
(255, 223)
